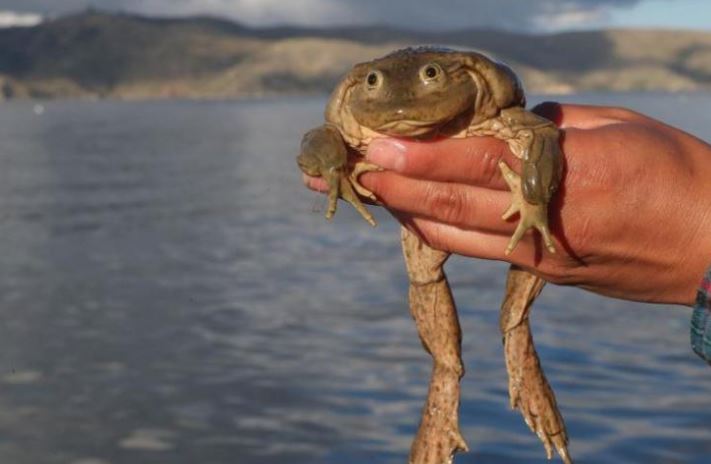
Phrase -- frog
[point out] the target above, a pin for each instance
(429, 93)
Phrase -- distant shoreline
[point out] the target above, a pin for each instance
(319, 96)
(96, 55)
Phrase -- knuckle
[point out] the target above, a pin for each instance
(489, 166)
(559, 273)
(623, 114)
(549, 110)
(486, 155)
(581, 234)
(446, 203)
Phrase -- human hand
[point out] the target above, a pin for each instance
(631, 219)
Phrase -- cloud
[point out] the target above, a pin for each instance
(412, 14)
(13, 19)
(253, 12)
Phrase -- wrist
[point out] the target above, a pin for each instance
(698, 254)
(700, 332)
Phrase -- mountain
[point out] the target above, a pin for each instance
(97, 54)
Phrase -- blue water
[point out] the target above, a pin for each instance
(170, 293)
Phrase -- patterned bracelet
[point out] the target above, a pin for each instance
(701, 320)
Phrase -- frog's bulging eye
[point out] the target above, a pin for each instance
(430, 72)
(373, 79)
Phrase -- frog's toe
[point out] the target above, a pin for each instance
(516, 237)
(546, 234)
(348, 193)
(359, 168)
(334, 190)
(532, 216)
(340, 185)
(513, 209)
(562, 447)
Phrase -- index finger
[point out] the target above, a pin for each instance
(580, 116)
(471, 160)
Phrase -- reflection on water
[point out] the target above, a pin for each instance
(168, 296)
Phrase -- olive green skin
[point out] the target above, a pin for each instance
(399, 95)
(428, 93)
(425, 92)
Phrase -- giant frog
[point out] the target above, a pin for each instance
(427, 93)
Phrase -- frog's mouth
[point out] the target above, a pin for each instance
(409, 127)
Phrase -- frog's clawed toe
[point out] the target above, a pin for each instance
(348, 193)
(344, 186)
(359, 168)
(532, 395)
(532, 216)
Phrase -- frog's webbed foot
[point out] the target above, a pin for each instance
(530, 393)
(438, 437)
(531, 215)
(529, 390)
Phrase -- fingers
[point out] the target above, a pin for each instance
(474, 243)
(465, 206)
(318, 184)
(585, 116)
(472, 161)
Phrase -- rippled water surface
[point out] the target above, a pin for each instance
(169, 295)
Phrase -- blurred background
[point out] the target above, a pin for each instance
(170, 293)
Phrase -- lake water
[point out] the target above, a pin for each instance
(170, 293)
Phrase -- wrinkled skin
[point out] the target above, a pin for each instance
(428, 93)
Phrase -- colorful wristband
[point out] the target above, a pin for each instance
(701, 320)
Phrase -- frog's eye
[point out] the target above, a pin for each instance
(373, 79)
(430, 72)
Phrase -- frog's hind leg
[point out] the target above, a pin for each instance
(432, 307)
(529, 389)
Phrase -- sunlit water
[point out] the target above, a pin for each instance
(169, 295)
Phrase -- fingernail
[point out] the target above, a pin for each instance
(387, 153)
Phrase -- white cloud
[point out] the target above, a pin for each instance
(519, 15)
(254, 12)
(14, 19)
(408, 14)
(571, 18)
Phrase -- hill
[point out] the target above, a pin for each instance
(95, 54)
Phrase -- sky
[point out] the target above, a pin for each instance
(526, 15)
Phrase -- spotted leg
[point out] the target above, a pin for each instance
(432, 307)
(534, 140)
(529, 390)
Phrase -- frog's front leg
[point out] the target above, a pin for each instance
(534, 140)
(324, 154)
(435, 314)
(532, 214)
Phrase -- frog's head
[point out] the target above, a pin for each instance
(420, 92)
